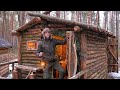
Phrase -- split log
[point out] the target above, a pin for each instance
(79, 74)
(68, 22)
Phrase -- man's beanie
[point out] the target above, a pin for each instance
(45, 30)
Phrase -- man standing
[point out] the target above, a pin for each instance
(46, 51)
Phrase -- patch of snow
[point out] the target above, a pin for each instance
(114, 75)
(9, 76)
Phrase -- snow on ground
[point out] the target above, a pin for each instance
(114, 75)
(10, 70)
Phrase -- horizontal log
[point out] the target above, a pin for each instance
(27, 68)
(95, 36)
(4, 55)
(3, 67)
(4, 72)
(27, 55)
(97, 74)
(96, 49)
(94, 64)
(33, 30)
(78, 75)
(95, 56)
(95, 46)
(96, 40)
(31, 61)
(94, 60)
(68, 22)
(104, 72)
(54, 25)
(61, 29)
(28, 51)
(94, 52)
(30, 64)
(113, 64)
(33, 33)
(96, 69)
(9, 62)
(28, 39)
(31, 58)
(96, 43)
(3, 52)
(31, 36)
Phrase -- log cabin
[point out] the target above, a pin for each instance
(90, 52)
(5, 47)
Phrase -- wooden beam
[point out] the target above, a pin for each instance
(78, 75)
(27, 68)
(112, 54)
(19, 49)
(9, 62)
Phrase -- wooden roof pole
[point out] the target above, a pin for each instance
(68, 22)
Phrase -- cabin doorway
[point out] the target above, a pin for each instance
(68, 53)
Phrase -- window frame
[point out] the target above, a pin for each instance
(32, 41)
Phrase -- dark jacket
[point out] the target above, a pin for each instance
(47, 46)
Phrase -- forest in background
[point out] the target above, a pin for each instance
(11, 20)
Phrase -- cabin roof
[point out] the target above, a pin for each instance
(41, 17)
(4, 44)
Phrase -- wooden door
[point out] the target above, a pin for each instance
(71, 55)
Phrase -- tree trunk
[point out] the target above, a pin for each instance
(58, 14)
(89, 15)
(97, 19)
(117, 26)
(106, 20)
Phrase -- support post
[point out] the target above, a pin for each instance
(83, 53)
(15, 74)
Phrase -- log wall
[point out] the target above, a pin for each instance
(28, 57)
(96, 56)
(4, 56)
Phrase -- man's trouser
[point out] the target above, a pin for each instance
(55, 65)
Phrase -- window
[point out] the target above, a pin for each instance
(32, 45)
